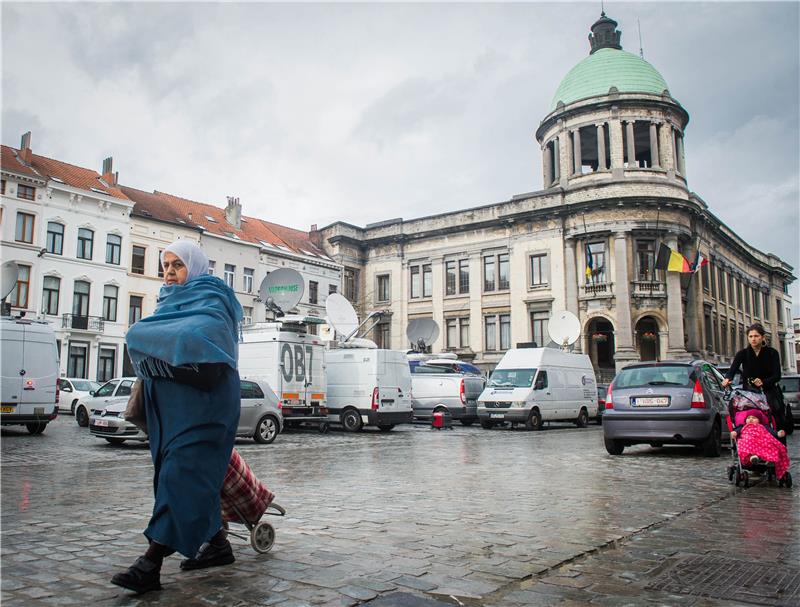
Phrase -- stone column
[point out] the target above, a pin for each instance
(571, 282)
(437, 299)
(675, 346)
(576, 151)
(654, 157)
(679, 153)
(601, 148)
(666, 148)
(615, 143)
(547, 165)
(623, 336)
(631, 144)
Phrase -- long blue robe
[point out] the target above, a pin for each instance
(191, 435)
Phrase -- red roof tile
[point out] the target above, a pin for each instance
(11, 163)
(79, 177)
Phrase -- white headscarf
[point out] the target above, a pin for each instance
(191, 255)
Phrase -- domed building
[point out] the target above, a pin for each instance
(615, 190)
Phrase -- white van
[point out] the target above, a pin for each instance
(29, 373)
(368, 387)
(532, 385)
(292, 362)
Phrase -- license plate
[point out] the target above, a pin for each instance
(651, 401)
(101, 422)
(497, 416)
(6, 409)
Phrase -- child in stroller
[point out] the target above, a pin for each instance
(756, 446)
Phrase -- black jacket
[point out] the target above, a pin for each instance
(766, 366)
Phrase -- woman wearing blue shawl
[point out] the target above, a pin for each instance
(186, 355)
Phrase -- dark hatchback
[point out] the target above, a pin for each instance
(667, 402)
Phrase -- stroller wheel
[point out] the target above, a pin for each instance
(787, 480)
(262, 537)
(731, 472)
(745, 479)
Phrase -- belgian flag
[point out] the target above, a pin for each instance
(671, 261)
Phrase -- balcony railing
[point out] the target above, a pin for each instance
(83, 323)
(597, 289)
(648, 288)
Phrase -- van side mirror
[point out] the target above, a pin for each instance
(91, 393)
(66, 389)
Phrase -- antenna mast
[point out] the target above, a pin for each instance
(641, 52)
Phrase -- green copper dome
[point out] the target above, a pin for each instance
(607, 67)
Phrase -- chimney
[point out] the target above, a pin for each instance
(233, 213)
(25, 152)
(313, 227)
(109, 176)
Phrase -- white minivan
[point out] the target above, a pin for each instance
(533, 385)
(368, 386)
(29, 380)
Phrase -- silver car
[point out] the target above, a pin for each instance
(790, 385)
(669, 402)
(261, 418)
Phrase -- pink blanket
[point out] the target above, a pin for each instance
(756, 440)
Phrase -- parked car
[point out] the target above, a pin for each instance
(602, 390)
(790, 384)
(261, 418)
(114, 391)
(441, 387)
(669, 402)
(459, 366)
(72, 389)
(737, 379)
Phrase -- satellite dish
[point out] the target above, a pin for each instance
(9, 272)
(422, 332)
(341, 315)
(564, 328)
(282, 289)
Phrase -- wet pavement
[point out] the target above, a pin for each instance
(491, 518)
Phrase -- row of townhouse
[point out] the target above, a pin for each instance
(88, 251)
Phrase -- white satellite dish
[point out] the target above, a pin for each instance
(422, 332)
(282, 289)
(564, 328)
(9, 272)
(341, 315)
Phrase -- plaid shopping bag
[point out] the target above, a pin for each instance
(243, 490)
(742, 400)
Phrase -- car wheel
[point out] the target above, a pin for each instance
(467, 421)
(351, 420)
(583, 419)
(385, 427)
(614, 446)
(115, 441)
(712, 446)
(534, 421)
(36, 427)
(486, 424)
(72, 407)
(82, 417)
(266, 430)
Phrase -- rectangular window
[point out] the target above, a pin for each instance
(597, 250)
(427, 280)
(113, 249)
(110, 303)
(160, 265)
(723, 336)
(713, 275)
(137, 259)
(463, 276)
(135, 309)
(313, 292)
(383, 335)
(24, 232)
(733, 346)
(539, 270)
(230, 273)
(721, 283)
(247, 280)
(383, 287)
(489, 274)
(106, 361)
(778, 311)
(503, 275)
(505, 331)
(539, 334)
(756, 303)
(747, 299)
(212, 265)
(704, 272)
(76, 365)
(332, 289)
(247, 315)
(351, 284)
(19, 296)
(739, 303)
(2, 186)
(85, 243)
(645, 260)
(416, 285)
(55, 238)
(50, 291)
(463, 329)
(709, 345)
(450, 278)
(731, 291)
(26, 192)
(81, 291)
(490, 333)
(451, 333)
(765, 299)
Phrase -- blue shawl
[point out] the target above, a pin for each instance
(196, 322)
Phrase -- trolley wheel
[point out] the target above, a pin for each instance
(324, 427)
(786, 480)
(731, 473)
(738, 478)
(745, 479)
(262, 537)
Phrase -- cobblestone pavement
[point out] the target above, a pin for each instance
(499, 518)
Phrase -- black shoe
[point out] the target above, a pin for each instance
(143, 576)
(210, 555)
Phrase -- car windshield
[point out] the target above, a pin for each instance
(512, 378)
(790, 384)
(661, 375)
(84, 385)
(422, 369)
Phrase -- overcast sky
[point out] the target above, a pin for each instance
(313, 113)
